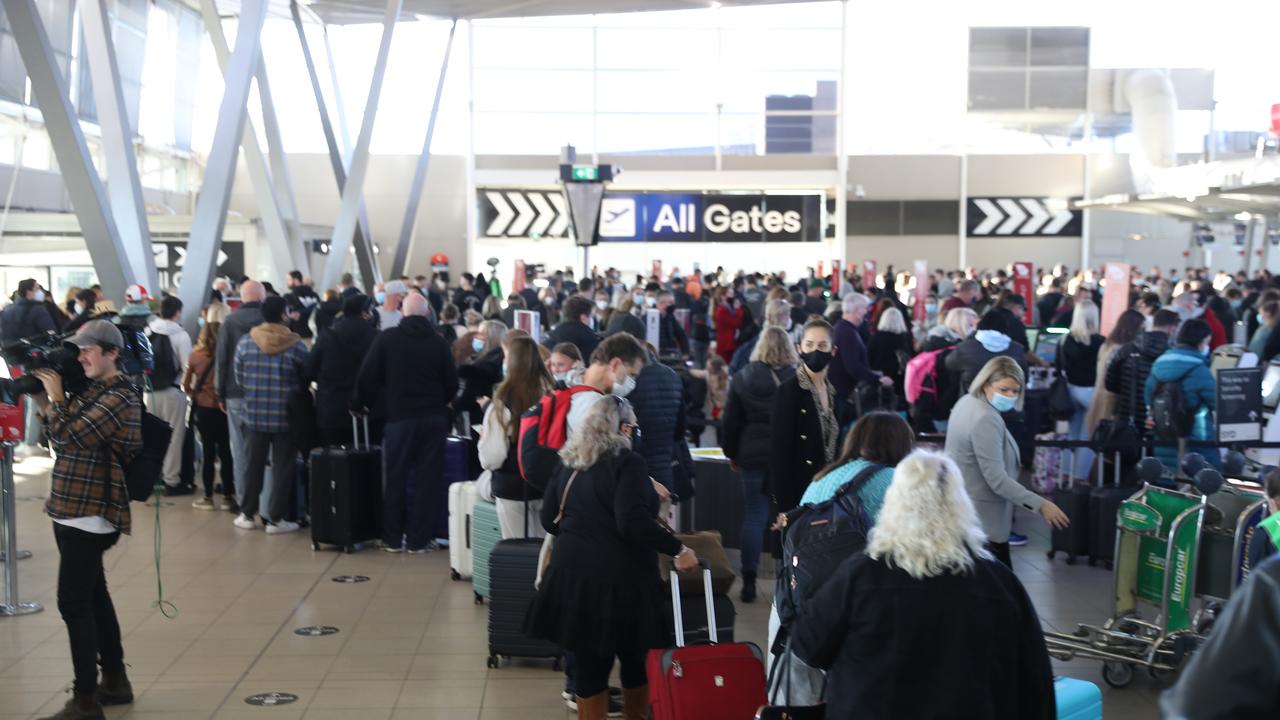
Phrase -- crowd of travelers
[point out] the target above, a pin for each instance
(811, 387)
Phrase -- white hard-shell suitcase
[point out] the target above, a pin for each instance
(462, 499)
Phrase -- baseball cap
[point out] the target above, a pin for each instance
(396, 287)
(136, 293)
(95, 332)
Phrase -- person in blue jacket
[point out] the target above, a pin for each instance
(1187, 362)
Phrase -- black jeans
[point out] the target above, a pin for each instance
(211, 422)
(284, 460)
(85, 604)
(413, 456)
(1001, 551)
(591, 672)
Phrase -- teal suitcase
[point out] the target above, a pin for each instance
(1077, 699)
(485, 533)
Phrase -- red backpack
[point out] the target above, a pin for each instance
(543, 431)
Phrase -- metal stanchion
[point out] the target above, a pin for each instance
(9, 535)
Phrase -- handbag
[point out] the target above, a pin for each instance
(773, 711)
(1060, 404)
(548, 542)
(708, 546)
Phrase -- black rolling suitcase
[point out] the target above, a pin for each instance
(1104, 505)
(346, 493)
(1073, 499)
(513, 567)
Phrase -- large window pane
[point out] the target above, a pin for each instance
(529, 47)
(1060, 46)
(997, 89)
(748, 92)
(656, 48)
(657, 134)
(533, 90)
(997, 47)
(531, 134)
(781, 49)
(654, 91)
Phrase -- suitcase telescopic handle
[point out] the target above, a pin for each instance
(679, 614)
(355, 432)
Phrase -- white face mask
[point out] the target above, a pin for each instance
(561, 377)
(39, 296)
(79, 308)
(623, 387)
(602, 304)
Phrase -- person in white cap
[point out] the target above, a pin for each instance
(389, 300)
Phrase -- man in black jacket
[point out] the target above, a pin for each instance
(301, 301)
(333, 363)
(671, 336)
(573, 327)
(26, 315)
(1131, 364)
(410, 368)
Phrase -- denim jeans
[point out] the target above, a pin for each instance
(1082, 398)
(236, 421)
(85, 604)
(755, 516)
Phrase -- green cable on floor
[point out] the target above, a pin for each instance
(165, 606)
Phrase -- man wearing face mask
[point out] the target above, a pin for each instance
(1187, 363)
(389, 299)
(671, 337)
(85, 300)
(573, 327)
(26, 315)
(613, 369)
(851, 368)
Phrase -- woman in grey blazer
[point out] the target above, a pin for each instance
(988, 455)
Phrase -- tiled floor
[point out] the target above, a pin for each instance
(411, 642)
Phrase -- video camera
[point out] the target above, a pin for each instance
(50, 350)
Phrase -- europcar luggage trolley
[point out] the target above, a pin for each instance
(1156, 556)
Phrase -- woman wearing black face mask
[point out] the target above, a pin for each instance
(804, 421)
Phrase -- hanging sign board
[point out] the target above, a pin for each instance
(1022, 286)
(1115, 295)
(919, 310)
(530, 321)
(1239, 404)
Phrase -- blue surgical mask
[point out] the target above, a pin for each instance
(931, 308)
(200, 322)
(380, 296)
(1235, 304)
(477, 344)
(1259, 319)
(1205, 351)
(1003, 403)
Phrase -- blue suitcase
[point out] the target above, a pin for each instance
(1077, 699)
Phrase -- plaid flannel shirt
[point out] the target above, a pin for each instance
(91, 434)
(267, 381)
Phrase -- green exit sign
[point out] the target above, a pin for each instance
(586, 172)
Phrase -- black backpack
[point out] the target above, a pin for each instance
(1170, 416)
(818, 539)
(164, 373)
(142, 474)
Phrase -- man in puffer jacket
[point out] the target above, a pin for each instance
(990, 340)
(1131, 366)
(1187, 363)
(658, 400)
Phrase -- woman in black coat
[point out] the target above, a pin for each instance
(599, 597)
(926, 625)
(748, 427)
(334, 363)
(805, 427)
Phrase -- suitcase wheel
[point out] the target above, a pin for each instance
(454, 575)
(493, 662)
(479, 599)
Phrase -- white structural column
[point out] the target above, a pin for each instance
(274, 224)
(220, 168)
(88, 197)
(124, 188)
(363, 240)
(420, 172)
(344, 227)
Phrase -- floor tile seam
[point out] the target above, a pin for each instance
(440, 592)
(262, 653)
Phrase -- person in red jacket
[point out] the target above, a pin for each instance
(1188, 306)
(729, 317)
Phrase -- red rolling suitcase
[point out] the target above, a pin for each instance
(704, 682)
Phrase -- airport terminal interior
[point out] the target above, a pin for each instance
(1030, 249)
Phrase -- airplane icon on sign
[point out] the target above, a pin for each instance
(614, 215)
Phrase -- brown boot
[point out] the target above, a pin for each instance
(635, 703)
(115, 688)
(81, 706)
(595, 707)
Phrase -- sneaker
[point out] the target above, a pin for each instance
(429, 547)
(615, 707)
(282, 527)
(570, 700)
(244, 522)
(179, 490)
(230, 505)
(1017, 540)
(392, 548)
(204, 503)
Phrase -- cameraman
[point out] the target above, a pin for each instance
(92, 434)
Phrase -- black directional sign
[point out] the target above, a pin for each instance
(271, 699)
(523, 213)
(1027, 217)
(1239, 404)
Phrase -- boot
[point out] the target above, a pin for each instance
(635, 703)
(595, 707)
(748, 587)
(81, 706)
(115, 688)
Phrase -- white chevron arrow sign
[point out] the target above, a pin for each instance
(525, 213)
(1019, 216)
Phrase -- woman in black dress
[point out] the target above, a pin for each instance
(601, 594)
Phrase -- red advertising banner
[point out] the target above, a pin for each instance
(1022, 286)
(868, 275)
(1115, 294)
(835, 278)
(517, 282)
(918, 310)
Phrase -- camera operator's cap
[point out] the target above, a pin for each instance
(95, 332)
(136, 293)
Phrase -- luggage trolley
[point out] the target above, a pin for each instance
(1156, 530)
